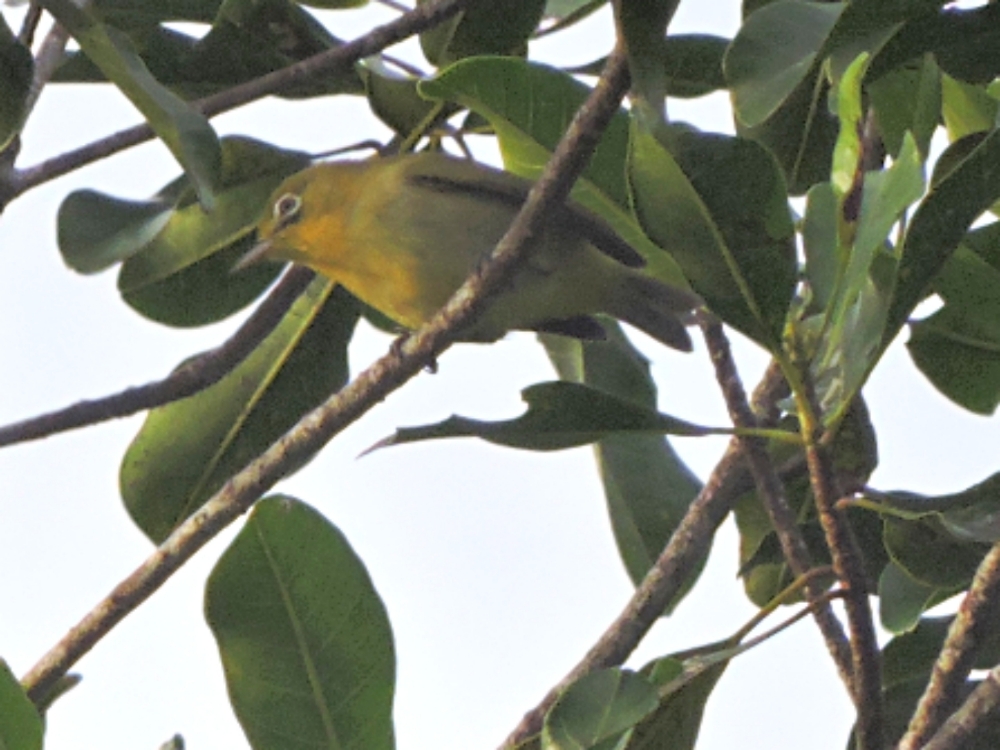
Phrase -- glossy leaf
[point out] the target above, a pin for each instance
(528, 127)
(718, 206)
(820, 242)
(183, 275)
(501, 27)
(642, 26)
(800, 133)
(908, 99)
(186, 450)
(303, 636)
(95, 231)
(857, 313)
(395, 101)
(692, 64)
(560, 415)
(966, 109)
(16, 70)
(958, 347)
(903, 599)
(185, 131)
(939, 225)
(688, 685)
(647, 486)
(248, 40)
(930, 555)
(21, 727)
(598, 710)
(773, 53)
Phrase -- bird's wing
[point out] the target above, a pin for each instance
(512, 191)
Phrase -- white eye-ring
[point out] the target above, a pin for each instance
(287, 207)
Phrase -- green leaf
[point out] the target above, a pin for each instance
(21, 727)
(95, 231)
(16, 70)
(528, 127)
(857, 313)
(186, 450)
(966, 109)
(642, 26)
(688, 685)
(303, 636)
(718, 205)
(939, 225)
(958, 347)
(597, 710)
(847, 156)
(903, 599)
(183, 275)
(501, 27)
(930, 555)
(908, 99)
(693, 64)
(773, 53)
(560, 415)
(249, 39)
(800, 133)
(394, 99)
(647, 486)
(819, 241)
(185, 131)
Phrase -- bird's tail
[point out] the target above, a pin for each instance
(657, 309)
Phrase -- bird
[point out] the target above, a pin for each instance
(402, 233)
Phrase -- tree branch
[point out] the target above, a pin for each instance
(772, 493)
(976, 618)
(962, 724)
(847, 562)
(687, 545)
(420, 18)
(370, 387)
(188, 379)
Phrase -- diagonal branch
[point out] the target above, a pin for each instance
(849, 565)
(187, 380)
(370, 387)
(422, 17)
(962, 724)
(974, 621)
(772, 494)
(669, 574)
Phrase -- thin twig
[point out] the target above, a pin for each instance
(26, 35)
(847, 561)
(974, 621)
(372, 386)
(187, 380)
(962, 724)
(420, 18)
(772, 493)
(673, 568)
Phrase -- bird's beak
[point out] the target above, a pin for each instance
(257, 253)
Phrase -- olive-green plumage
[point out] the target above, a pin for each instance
(402, 233)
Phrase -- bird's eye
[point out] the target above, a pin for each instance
(287, 207)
